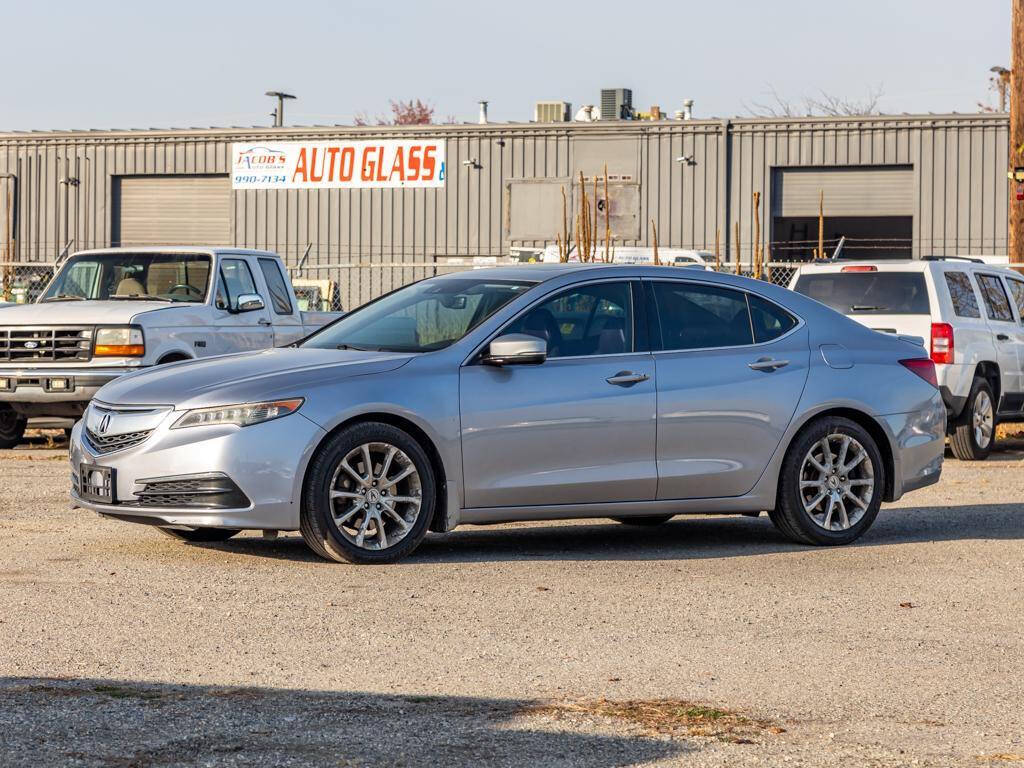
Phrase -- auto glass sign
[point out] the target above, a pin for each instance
(338, 164)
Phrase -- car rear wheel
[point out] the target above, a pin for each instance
(831, 485)
(975, 433)
(644, 520)
(12, 426)
(200, 535)
(369, 495)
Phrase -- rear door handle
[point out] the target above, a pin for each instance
(1002, 337)
(627, 378)
(767, 364)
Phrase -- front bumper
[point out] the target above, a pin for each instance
(265, 462)
(36, 384)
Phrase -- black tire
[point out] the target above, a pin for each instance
(790, 515)
(200, 535)
(12, 426)
(964, 440)
(317, 525)
(645, 521)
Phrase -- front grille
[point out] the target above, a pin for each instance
(31, 344)
(104, 444)
(212, 490)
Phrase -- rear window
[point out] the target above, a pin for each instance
(868, 293)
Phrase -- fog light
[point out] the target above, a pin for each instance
(5, 384)
(58, 385)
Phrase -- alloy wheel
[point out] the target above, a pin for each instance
(983, 419)
(837, 482)
(375, 496)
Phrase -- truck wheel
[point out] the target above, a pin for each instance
(975, 432)
(12, 426)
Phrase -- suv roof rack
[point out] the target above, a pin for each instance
(952, 258)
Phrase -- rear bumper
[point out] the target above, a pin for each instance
(918, 445)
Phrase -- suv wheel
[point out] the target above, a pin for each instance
(12, 426)
(831, 484)
(975, 431)
(369, 495)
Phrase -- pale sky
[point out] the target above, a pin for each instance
(101, 64)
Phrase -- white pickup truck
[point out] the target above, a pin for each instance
(112, 311)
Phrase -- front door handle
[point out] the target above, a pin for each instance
(264, 321)
(1002, 337)
(767, 364)
(627, 378)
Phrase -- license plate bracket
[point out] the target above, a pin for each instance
(96, 483)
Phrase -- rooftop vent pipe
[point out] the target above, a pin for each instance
(483, 113)
(687, 109)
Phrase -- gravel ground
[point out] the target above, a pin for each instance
(529, 644)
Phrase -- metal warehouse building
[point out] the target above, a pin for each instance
(892, 185)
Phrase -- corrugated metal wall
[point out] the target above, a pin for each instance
(65, 181)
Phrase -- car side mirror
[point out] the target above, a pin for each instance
(249, 302)
(516, 349)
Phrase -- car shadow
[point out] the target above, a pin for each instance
(99, 722)
(683, 538)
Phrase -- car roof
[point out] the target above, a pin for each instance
(906, 265)
(543, 272)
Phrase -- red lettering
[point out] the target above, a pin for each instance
(429, 164)
(414, 163)
(313, 175)
(380, 166)
(369, 166)
(348, 160)
(398, 165)
(332, 152)
(300, 167)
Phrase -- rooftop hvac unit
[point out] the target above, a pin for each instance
(616, 103)
(552, 112)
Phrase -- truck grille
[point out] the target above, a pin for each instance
(104, 444)
(30, 344)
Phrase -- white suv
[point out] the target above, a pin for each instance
(971, 315)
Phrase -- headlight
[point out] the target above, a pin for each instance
(119, 341)
(242, 415)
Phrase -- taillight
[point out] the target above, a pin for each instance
(860, 268)
(942, 343)
(922, 367)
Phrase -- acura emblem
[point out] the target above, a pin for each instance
(104, 424)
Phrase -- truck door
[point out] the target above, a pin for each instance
(239, 331)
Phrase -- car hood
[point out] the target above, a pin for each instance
(245, 378)
(81, 312)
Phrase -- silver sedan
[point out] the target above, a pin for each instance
(525, 393)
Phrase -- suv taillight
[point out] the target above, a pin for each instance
(922, 367)
(942, 343)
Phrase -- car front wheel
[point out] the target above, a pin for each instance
(369, 495)
(831, 485)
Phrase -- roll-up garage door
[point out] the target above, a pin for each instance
(875, 191)
(172, 210)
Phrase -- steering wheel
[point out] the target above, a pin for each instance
(186, 288)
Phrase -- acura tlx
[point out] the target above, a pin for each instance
(538, 392)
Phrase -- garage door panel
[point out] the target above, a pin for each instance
(873, 191)
(172, 210)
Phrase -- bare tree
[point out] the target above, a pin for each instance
(412, 112)
(823, 105)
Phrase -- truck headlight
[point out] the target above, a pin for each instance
(119, 341)
(242, 415)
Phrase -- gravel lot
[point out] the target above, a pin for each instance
(523, 644)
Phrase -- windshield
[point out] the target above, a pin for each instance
(880, 293)
(421, 317)
(152, 276)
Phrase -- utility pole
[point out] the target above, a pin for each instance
(279, 112)
(1016, 152)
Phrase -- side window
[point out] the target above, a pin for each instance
(592, 319)
(769, 320)
(965, 302)
(236, 279)
(1017, 290)
(697, 316)
(277, 286)
(996, 303)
